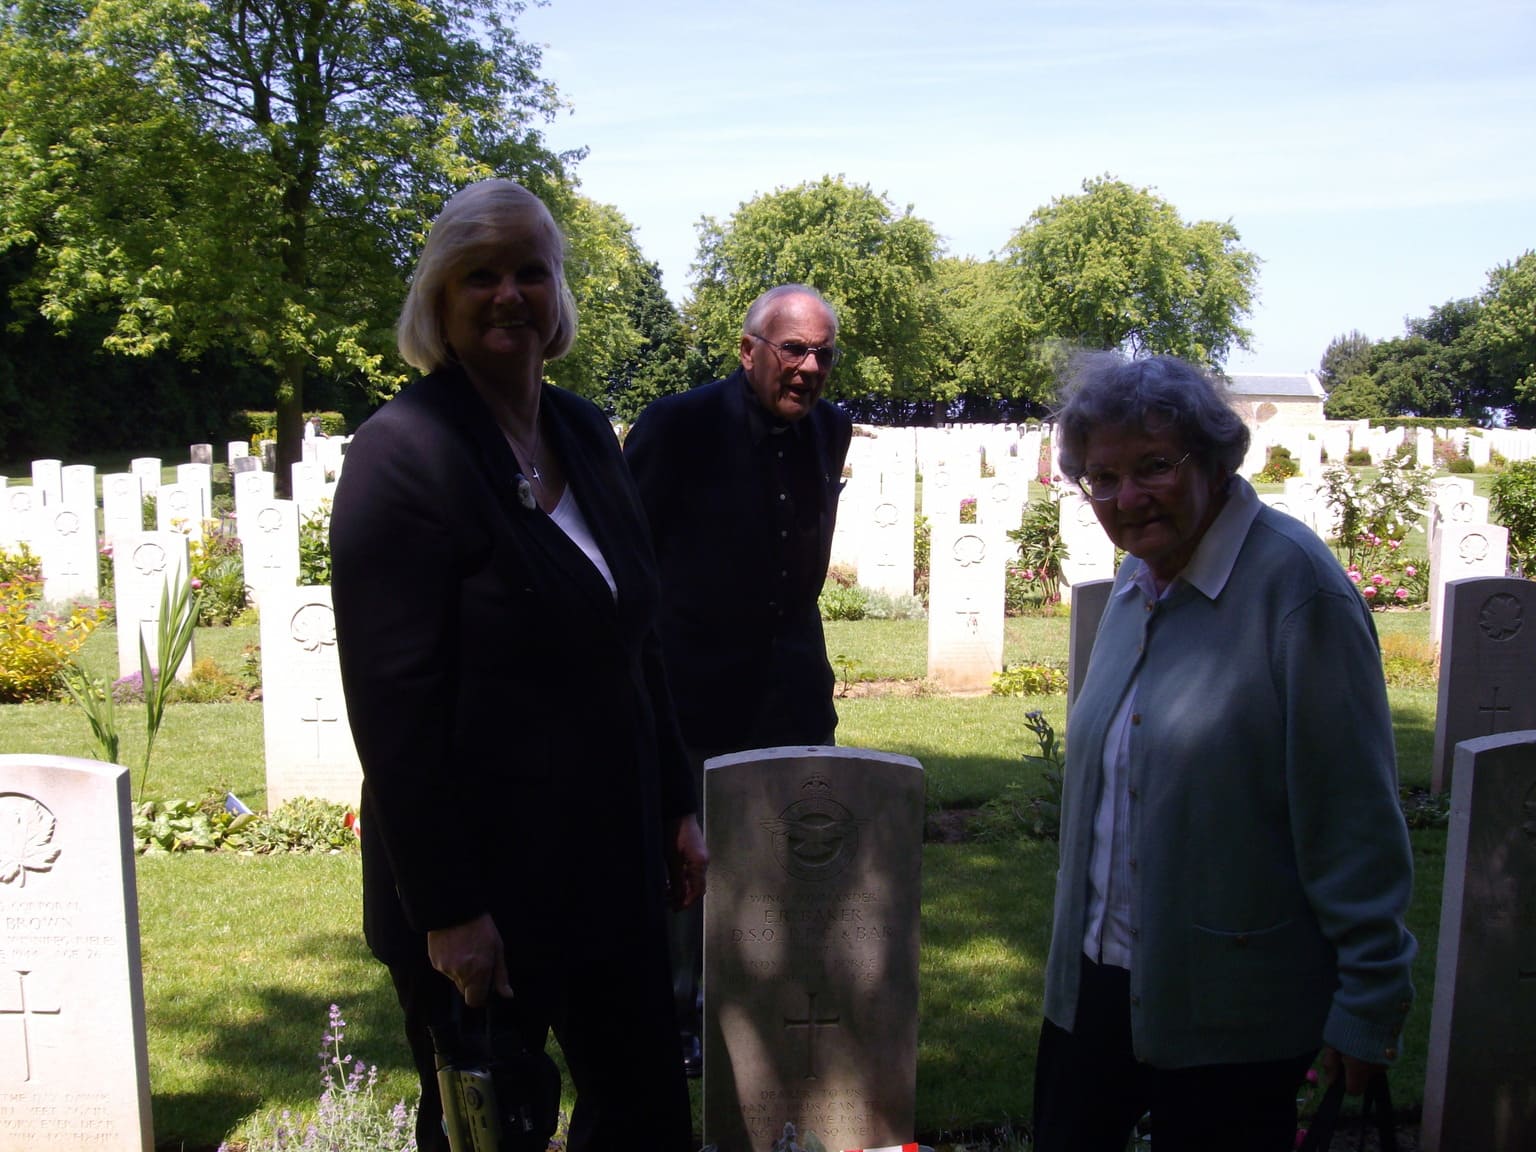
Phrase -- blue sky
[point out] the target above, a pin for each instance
(1379, 156)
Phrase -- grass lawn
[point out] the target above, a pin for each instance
(244, 955)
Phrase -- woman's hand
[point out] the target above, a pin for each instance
(471, 955)
(686, 861)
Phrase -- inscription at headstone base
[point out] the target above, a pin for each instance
(74, 1063)
(1487, 665)
(811, 947)
(1480, 1082)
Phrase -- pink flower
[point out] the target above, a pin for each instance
(1029, 573)
(1368, 592)
(1394, 544)
(1311, 1075)
(1378, 579)
(1410, 571)
(1401, 593)
(1354, 575)
(196, 584)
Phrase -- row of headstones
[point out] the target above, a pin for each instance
(811, 956)
(58, 521)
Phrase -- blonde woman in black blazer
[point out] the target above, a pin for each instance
(526, 799)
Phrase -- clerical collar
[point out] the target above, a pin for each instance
(762, 422)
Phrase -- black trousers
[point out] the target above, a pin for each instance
(614, 1021)
(1090, 1090)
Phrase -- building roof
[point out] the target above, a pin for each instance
(1303, 386)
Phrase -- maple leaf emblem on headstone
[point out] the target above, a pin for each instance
(26, 838)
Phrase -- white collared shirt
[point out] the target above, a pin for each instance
(1107, 936)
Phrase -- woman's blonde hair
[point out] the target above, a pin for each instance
(475, 219)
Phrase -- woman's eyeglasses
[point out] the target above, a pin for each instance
(1155, 474)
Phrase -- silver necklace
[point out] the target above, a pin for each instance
(532, 457)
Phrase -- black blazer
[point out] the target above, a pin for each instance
(748, 665)
(518, 746)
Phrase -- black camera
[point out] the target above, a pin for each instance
(498, 1095)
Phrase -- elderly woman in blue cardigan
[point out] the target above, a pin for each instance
(1234, 864)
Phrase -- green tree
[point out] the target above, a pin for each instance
(873, 263)
(255, 176)
(1505, 334)
(605, 271)
(991, 360)
(1345, 358)
(1116, 267)
(661, 362)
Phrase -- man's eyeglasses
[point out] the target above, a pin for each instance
(1155, 474)
(792, 352)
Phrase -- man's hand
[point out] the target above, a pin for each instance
(471, 955)
(687, 861)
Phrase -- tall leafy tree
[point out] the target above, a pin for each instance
(1345, 358)
(992, 360)
(255, 175)
(1505, 334)
(1116, 267)
(872, 262)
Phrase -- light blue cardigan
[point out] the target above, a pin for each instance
(1271, 864)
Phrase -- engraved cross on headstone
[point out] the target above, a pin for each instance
(23, 1011)
(1493, 708)
(319, 720)
(810, 1023)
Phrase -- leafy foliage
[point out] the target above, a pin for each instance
(36, 643)
(873, 263)
(1029, 680)
(1385, 507)
(1041, 548)
(842, 601)
(1036, 814)
(1116, 267)
(1513, 501)
(1278, 465)
(254, 177)
(315, 547)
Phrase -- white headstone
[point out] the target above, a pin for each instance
(179, 508)
(68, 548)
(269, 543)
(143, 565)
(200, 477)
(78, 485)
(201, 454)
(967, 564)
(251, 489)
(1090, 553)
(309, 746)
(48, 480)
(236, 450)
(122, 505)
(149, 472)
(74, 1062)
(18, 517)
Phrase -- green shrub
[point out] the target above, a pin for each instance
(1041, 549)
(35, 643)
(839, 602)
(1513, 501)
(218, 576)
(1279, 465)
(1461, 465)
(210, 684)
(1358, 458)
(1029, 680)
(315, 547)
(303, 824)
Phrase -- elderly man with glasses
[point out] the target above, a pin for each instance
(740, 480)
